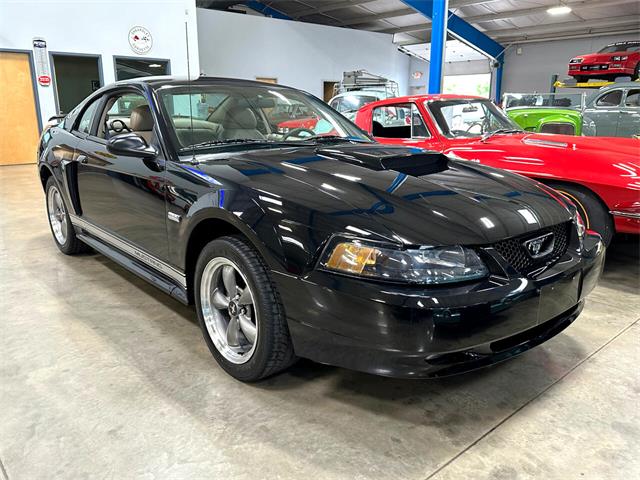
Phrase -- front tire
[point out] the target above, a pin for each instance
(594, 213)
(636, 72)
(61, 228)
(240, 312)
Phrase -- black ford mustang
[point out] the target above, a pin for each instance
(315, 243)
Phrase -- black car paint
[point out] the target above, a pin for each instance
(290, 201)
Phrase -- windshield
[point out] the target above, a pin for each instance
(548, 100)
(469, 118)
(352, 103)
(219, 116)
(621, 47)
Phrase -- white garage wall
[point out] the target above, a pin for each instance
(99, 27)
(300, 55)
(531, 71)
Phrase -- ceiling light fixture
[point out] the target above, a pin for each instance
(155, 65)
(559, 10)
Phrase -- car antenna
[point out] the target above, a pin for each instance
(186, 32)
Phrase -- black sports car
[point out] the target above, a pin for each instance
(317, 243)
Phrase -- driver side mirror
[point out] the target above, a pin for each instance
(132, 145)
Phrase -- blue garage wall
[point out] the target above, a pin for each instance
(300, 55)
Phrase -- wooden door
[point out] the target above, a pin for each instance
(18, 118)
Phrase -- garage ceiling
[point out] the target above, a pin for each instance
(506, 21)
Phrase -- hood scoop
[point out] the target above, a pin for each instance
(411, 161)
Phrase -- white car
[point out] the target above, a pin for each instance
(348, 103)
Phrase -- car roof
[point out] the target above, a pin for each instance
(167, 80)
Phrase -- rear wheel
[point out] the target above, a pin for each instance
(581, 78)
(594, 213)
(63, 232)
(239, 310)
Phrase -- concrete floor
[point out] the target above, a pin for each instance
(103, 376)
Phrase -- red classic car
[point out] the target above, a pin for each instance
(615, 60)
(600, 175)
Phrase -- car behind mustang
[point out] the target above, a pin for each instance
(390, 260)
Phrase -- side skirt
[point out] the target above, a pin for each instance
(165, 277)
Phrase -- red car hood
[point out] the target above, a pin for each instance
(598, 57)
(614, 161)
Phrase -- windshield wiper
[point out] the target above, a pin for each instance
(333, 138)
(214, 143)
(488, 135)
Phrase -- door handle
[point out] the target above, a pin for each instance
(82, 159)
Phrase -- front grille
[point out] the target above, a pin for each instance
(515, 254)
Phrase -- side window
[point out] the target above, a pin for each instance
(633, 99)
(398, 121)
(86, 120)
(126, 112)
(610, 99)
(418, 127)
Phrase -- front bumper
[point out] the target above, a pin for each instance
(596, 70)
(411, 332)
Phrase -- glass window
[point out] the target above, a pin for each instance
(610, 99)
(398, 121)
(219, 116)
(621, 47)
(352, 103)
(470, 118)
(117, 114)
(127, 68)
(86, 120)
(633, 99)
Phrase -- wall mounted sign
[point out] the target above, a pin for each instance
(140, 40)
(41, 60)
(417, 74)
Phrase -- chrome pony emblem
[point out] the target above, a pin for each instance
(540, 246)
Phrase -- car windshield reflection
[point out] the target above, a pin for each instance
(470, 118)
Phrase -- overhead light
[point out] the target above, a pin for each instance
(155, 65)
(559, 10)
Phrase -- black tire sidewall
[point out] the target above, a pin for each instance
(594, 214)
(264, 299)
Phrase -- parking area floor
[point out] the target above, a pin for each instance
(104, 376)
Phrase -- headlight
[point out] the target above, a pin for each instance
(579, 223)
(426, 265)
(283, 129)
(619, 58)
(576, 60)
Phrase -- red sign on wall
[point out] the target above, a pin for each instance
(44, 80)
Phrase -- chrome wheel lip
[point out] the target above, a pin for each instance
(57, 215)
(218, 320)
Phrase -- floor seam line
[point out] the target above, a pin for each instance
(528, 402)
(5, 476)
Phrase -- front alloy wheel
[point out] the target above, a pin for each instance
(239, 310)
(228, 310)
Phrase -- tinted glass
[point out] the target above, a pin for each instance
(219, 115)
(624, 47)
(352, 103)
(611, 99)
(633, 99)
(86, 120)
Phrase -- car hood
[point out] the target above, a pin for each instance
(408, 195)
(598, 57)
(535, 146)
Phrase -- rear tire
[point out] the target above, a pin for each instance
(636, 72)
(581, 78)
(259, 345)
(64, 235)
(594, 213)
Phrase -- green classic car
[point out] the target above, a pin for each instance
(612, 111)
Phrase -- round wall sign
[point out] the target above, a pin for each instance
(140, 40)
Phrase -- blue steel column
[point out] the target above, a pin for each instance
(439, 15)
(498, 87)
